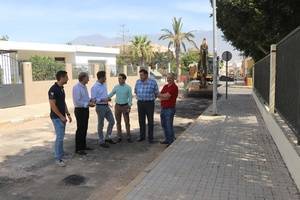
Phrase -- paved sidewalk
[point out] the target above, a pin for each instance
(231, 156)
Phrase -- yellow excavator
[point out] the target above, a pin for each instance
(200, 73)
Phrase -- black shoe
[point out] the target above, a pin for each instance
(119, 140)
(151, 141)
(110, 141)
(81, 152)
(104, 145)
(129, 140)
(164, 142)
(141, 139)
(88, 148)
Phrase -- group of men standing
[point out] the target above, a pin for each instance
(146, 91)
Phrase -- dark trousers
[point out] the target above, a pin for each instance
(146, 109)
(82, 118)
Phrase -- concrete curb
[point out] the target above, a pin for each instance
(37, 114)
(22, 119)
(286, 149)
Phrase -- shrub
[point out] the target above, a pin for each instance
(44, 68)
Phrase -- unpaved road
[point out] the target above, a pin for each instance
(27, 169)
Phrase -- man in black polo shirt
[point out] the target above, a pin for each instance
(58, 114)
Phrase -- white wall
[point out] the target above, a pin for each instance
(84, 58)
(25, 55)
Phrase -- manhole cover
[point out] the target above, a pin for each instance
(74, 179)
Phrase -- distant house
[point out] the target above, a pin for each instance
(77, 55)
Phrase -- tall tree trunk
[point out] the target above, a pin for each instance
(177, 50)
(143, 62)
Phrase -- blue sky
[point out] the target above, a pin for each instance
(59, 21)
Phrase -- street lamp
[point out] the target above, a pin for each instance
(215, 87)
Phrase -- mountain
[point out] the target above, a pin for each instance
(222, 45)
(96, 40)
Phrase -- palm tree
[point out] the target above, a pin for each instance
(142, 49)
(176, 38)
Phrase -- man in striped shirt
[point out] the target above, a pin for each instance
(146, 91)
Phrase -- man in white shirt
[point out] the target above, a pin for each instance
(82, 103)
(100, 97)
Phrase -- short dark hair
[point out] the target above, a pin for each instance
(60, 74)
(82, 75)
(143, 71)
(123, 76)
(101, 74)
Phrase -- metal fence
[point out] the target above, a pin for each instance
(287, 91)
(11, 80)
(117, 70)
(131, 70)
(10, 68)
(262, 78)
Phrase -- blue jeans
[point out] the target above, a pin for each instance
(104, 112)
(59, 127)
(166, 118)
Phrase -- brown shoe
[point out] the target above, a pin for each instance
(119, 140)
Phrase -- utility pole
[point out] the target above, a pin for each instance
(124, 32)
(215, 82)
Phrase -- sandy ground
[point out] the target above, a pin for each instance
(27, 169)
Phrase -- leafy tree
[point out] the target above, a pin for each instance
(250, 71)
(4, 38)
(44, 68)
(141, 49)
(162, 59)
(177, 38)
(126, 56)
(253, 25)
(192, 56)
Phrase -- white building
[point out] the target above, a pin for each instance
(78, 55)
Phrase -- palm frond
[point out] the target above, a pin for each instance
(183, 45)
(170, 44)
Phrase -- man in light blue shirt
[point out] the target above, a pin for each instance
(81, 102)
(123, 104)
(100, 97)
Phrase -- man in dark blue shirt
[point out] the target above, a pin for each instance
(58, 113)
